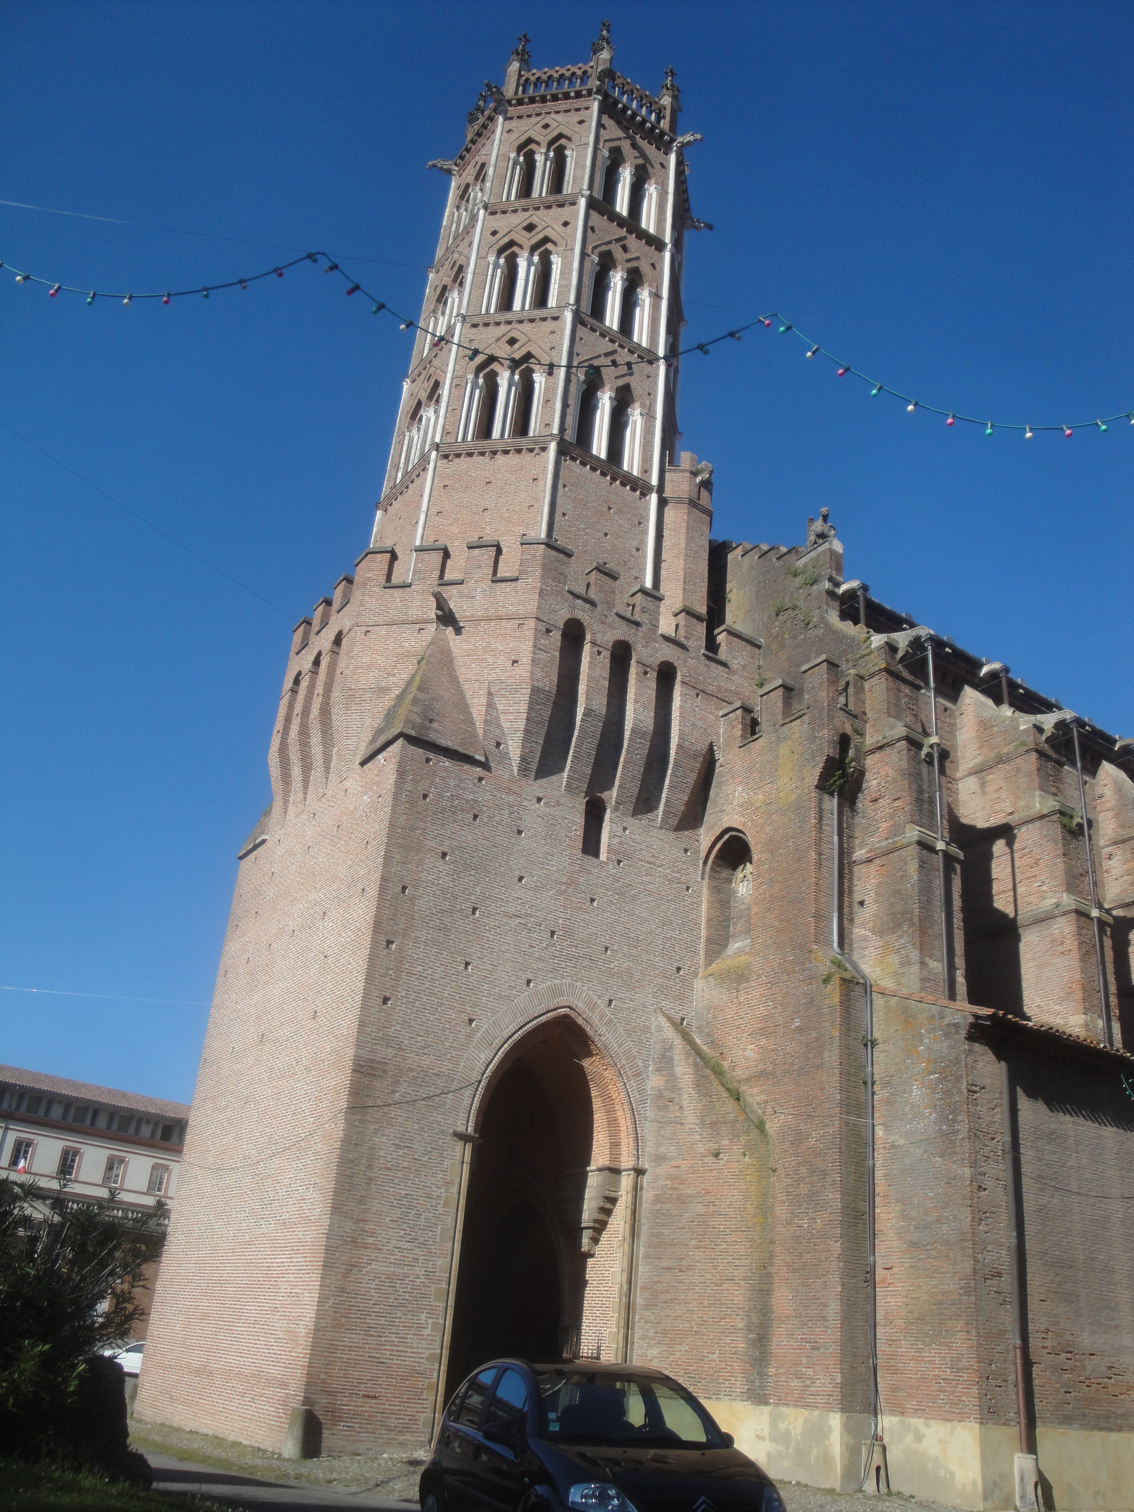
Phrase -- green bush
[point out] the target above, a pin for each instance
(68, 1272)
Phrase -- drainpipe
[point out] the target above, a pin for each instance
(1096, 912)
(939, 813)
(1014, 1277)
(571, 315)
(662, 370)
(876, 1437)
(456, 338)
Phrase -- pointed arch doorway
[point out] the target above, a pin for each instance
(550, 1207)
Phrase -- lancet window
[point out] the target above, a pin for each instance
(610, 425)
(419, 432)
(519, 280)
(499, 404)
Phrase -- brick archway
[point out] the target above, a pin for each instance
(547, 1213)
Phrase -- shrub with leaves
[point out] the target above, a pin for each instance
(68, 1274)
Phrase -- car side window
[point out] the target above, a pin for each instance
(509, 1410)
(468, 1413)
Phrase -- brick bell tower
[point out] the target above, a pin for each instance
(653, 945)
(486, 782)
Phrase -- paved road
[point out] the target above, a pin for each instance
(177, 1477)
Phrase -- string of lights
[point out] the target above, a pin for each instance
(590, 367)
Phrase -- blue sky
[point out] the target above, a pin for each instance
(940, 192)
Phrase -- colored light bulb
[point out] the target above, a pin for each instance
(243, 284)
(767, 322)
(22, 277)
(1066, 430)
(165, 299)
(1100, 425)
(813, 351)
(988, 431)
(377, 307)
(205, 292)
(735, 335)
(1028, 434)
(278, 272)
(91, 297)
(330, 268)
(405, 325)
(911, 406)
(128, 298)
(551, 370)
(952, 420)
(354, 288)
(55, 290)
(842, 373)
(875, 391)
(701, 347)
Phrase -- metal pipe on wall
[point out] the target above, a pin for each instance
(871, 1184)
(1096, 912)
(941, 844)
(1015, 1280)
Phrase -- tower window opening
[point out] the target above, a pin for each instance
(609, 191)
(544, 286)
(486, 406)
(557, 170)
(638, 186)
(594, 818)
(617, 446)
(525, 180)
(630, 316)
(525, 422)
(728, 900)
(600, 289)
(589, 416)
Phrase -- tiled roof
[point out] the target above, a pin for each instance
(38, 1081)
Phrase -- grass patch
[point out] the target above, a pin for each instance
(54, 1488)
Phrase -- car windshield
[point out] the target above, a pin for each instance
(581, 1407)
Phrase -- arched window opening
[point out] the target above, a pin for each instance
(560, 730)
(728, 900)
(656, 769)
(522, 416)
(594, 817)
(638, 195)
(506, 292)
(609, 193)
(283, 741)
(544, 279)
(486, 410)
(628, 320)
(600, 289)
(557, 175)
(608, 752)
(618, 447)
(525, 182)
(588, 416)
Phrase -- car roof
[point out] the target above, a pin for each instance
(597, 1367)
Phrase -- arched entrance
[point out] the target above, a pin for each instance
(545, 1178)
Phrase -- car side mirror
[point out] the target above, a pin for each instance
(729, 1441)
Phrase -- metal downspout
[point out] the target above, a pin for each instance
(942, 846)
(462, 316)
(571, 318)
(1014, 1278)
(663, 374)
(1096, 912)
(871, 1184)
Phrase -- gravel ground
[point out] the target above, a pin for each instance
(396, 1475)
(392, 1475)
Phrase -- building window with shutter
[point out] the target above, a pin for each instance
(159, 1180)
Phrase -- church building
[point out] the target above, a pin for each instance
(657, 948)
